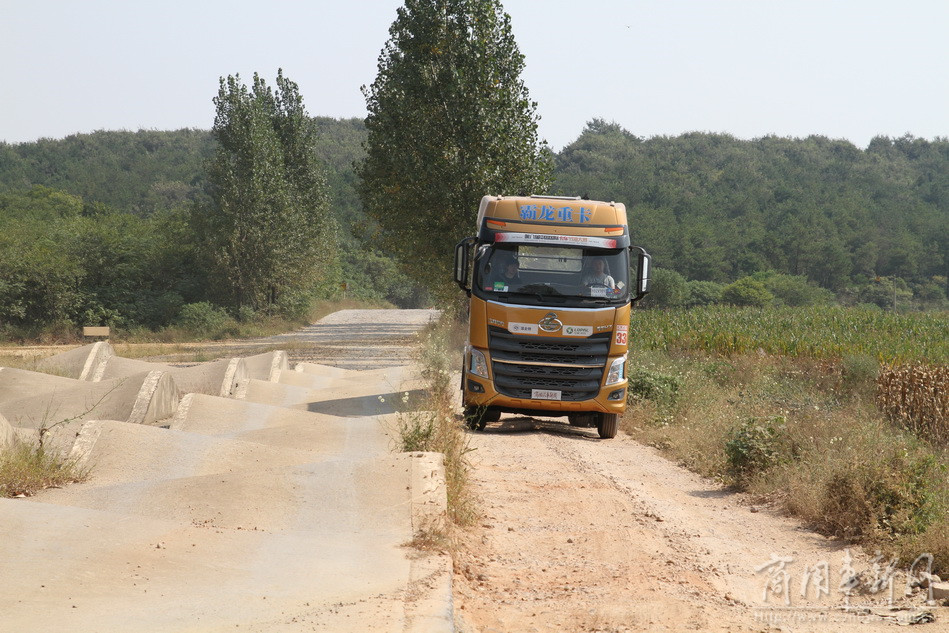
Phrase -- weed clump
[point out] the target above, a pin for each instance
(661, 388)
(434, 425)
(26, 469)
(881, 499)
(859, 373)
(755, 446)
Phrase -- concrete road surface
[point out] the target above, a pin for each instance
(282, 509)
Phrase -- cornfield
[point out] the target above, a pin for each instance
(917, 397)
(830, 332)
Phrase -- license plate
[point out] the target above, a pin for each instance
(544, 394)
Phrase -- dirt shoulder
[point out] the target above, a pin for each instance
(580, 534)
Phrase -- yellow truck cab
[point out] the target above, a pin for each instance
(550, 286)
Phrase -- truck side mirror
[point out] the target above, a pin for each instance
(642, 273)
(463, 263)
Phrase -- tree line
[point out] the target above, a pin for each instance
(273, 207)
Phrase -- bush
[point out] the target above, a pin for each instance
(793, 290)
(662, 389)
(859, 373)
(747, 292)
(755, 446)
(703, 293)
(669, 289)
(888, 495)
(205, 320)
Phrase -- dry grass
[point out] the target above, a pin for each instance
(917, 397)
(26, 469)
(805, 434)
(435, 426)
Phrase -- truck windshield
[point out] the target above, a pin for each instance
(544, 273)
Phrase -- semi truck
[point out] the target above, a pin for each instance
(551, 281)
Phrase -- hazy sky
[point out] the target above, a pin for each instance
(848, 69)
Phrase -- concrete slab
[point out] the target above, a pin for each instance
(118, 452)
(20, 383)
(266, 366)
(140, 399)
(217, 378)
(79, 363)
(72, 569)
(347, 399)
(374, 392)
(244, 514)
(307, 380)
(119, 367)
(340, 495)
(322, 370)
(272, 393)
(390, 378)
(8, 436)
(321, 435)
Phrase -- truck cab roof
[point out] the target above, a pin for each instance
(552, 215)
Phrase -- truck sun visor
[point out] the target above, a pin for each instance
(536, 238)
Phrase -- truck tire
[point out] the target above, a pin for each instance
(477, 417)
(606, 425)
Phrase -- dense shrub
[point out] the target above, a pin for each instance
(793, 290)
(205, 320)
(756, 445)
(661, 388)
(747, 292)
(703, 293)
(669, 289)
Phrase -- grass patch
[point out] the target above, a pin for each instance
(804, 433)
(435, 425)
(25, 469)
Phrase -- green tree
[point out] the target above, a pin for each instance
(265, 229)
(747, 292)
(669, 289)
(39, 279)
(450, 120)
(703, 293)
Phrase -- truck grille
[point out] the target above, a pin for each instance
(521, 363)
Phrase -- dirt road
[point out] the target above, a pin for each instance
(581, 534)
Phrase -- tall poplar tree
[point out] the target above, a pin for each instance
(266, 229)
(449, 121)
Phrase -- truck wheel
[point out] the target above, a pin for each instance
(606, 425)
(476, 417)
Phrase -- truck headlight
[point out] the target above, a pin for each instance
(617, 371)
(478, 365)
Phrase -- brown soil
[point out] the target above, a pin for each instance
(582, 534)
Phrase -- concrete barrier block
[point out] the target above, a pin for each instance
(79, 363)
(267, 366)
(7, 434)
(144, 398)
(940, 590)
(20, 383)
(218, 378)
